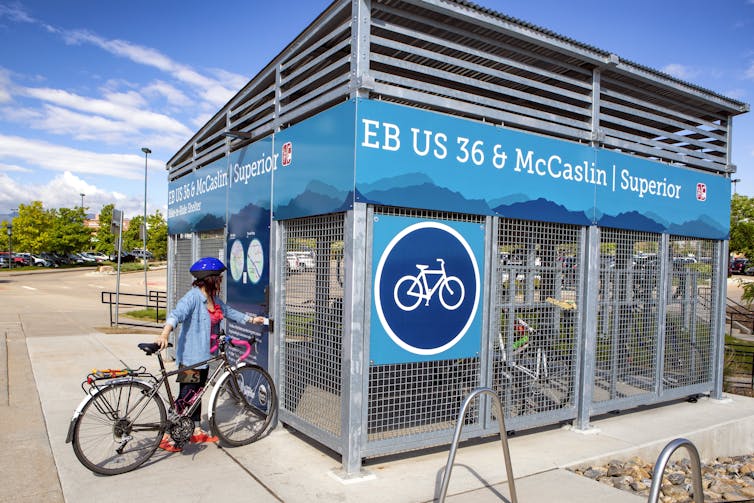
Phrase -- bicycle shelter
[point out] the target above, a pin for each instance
(410, 184)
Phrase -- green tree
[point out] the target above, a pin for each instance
(105, 238)
(157, 235)
(33, 228)
(69, 233)
(132, 237)
(4, 241)
(742, 225)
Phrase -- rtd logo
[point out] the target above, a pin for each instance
(287, 153)
(701, 191)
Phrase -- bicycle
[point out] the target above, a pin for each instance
(122, 420)
(534, 383)
(418, 287)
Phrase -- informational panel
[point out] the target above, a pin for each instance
(408, 157)
(315, 174)
(196, 202)
(249, 194)
(427, 293)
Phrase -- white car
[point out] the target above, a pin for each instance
(36, 260)
(305, 259)
(291, 263)
(98, 256)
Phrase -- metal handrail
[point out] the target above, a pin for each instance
(737, 313)
(156, 299)
(662, 462)
(457, 436)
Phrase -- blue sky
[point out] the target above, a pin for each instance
(85, 85)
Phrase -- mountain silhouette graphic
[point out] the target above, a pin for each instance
(427, 196)
(317, 199)
(543, 210)
(632, 220)
(239, 222)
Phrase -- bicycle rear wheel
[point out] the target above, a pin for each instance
(243, 405)
(119, 428)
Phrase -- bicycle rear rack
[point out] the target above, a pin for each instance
(662, 462)
(503, 441)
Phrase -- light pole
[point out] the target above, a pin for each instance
(734, 182)
(144, 228)
(13, 211)
(82, 200)
(10, 246)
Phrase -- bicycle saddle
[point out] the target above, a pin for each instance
(151, 348)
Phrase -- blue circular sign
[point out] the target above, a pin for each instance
(426, 288)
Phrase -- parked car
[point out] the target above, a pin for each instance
(55, 259)
(737, 265)
(36, 260)
(99, 256)
(20, 261)
(140, 254)
(292, 263)
(305, 259)
(124, 257)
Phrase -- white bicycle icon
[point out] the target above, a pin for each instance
(451, 290)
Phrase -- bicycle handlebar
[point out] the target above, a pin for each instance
(235, 342)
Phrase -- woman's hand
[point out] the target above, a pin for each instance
(258, 320)
(162, 339)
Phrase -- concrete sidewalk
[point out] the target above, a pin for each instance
(48, 342)
(286, 467)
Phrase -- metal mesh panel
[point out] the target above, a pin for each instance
(313, 317)
(183, 260)
(536, 330)
(418, 398)
(627, 324)
(688, 318)
(212, 244)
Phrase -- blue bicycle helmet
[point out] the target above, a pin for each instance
(207, 266)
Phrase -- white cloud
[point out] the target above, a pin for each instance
(737, 94)
(680, 71)
(173, 95)
(128, 115)
(210, 89)
(16, 14)
(13, 168)
(64, 191)
(5, 86)
(43, 155)
(749, 73)
(128, 99)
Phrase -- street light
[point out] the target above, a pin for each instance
(144, 227)
(13, 211)
(734, 182)
(10, 246)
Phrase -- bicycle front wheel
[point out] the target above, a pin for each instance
(243, 406)
(119, 428)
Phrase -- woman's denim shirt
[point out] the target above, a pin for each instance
(191, 312)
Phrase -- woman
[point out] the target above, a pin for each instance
(199, 312)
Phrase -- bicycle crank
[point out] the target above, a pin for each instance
(181, 430)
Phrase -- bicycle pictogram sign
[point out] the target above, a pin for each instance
(427, 289)
(411, 290)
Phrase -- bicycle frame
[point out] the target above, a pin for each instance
(155, 383)
(424, 272)
(540, 359)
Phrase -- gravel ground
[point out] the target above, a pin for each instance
(724, 479)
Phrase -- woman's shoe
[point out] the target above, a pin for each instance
(166, 445)
(202, 438)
